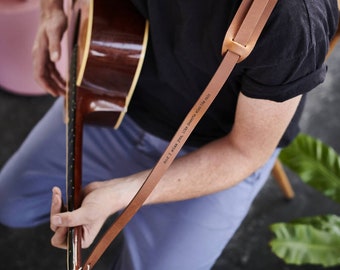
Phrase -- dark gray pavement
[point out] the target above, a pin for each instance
(30, 248)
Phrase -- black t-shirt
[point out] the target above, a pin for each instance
(184, 51)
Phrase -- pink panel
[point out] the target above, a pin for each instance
(18, 26)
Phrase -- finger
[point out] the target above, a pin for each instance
(55, 32)
(59, 239)
(50, 86)
(41, 69)
(53, 82)
(46, 79)
(56, 206)
(41, 61)
(57, 76)
(58, 80)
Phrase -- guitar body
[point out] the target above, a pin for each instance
(111, 38)
(107, 44)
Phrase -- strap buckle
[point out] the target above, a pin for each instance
(229, 44)
(246, 27)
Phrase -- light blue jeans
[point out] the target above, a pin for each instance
(186, 235)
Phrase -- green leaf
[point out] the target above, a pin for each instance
(327, 223)
(317, 164)
(313, 240)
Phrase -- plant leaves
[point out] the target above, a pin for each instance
(317, 164)
(312, 240)
(328, 223)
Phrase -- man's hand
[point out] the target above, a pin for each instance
(47, 47)
(101, 199)
(92, 214)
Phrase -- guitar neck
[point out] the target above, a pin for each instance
(73, 178)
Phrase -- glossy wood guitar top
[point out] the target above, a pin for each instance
(112, 39)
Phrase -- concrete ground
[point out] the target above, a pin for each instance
(30, 248)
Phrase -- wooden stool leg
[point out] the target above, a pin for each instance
(334, 42)
(282, 180)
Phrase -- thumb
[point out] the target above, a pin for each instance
(69, 219)
(74, 219)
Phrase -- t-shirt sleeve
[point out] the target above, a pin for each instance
(288, 59)
(283, 81)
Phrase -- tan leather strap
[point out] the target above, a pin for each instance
(240, 39)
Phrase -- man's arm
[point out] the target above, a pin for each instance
(259, 125)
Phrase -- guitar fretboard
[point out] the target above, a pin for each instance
(70, 152)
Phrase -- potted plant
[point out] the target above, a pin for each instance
(311, 240)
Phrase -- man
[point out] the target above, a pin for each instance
(204, 196)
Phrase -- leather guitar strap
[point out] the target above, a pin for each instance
(239, 41)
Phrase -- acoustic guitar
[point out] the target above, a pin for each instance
(107, 44)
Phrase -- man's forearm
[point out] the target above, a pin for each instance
(213, 168)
